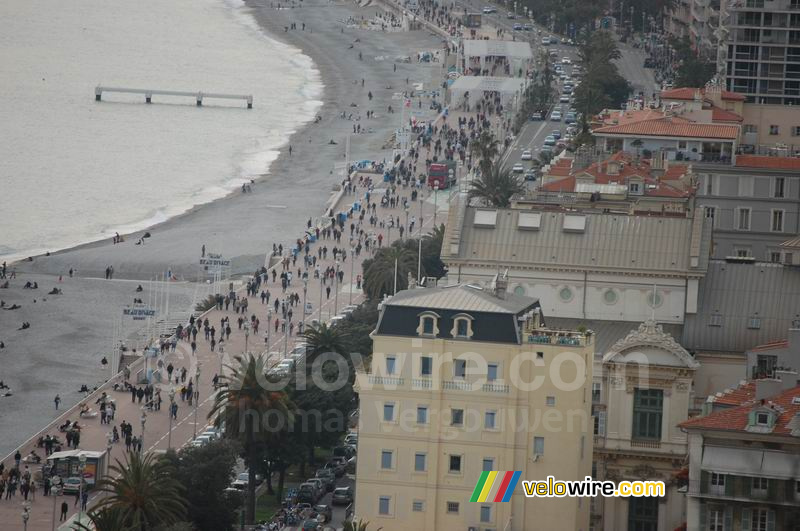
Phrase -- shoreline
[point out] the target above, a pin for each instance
(241, 226)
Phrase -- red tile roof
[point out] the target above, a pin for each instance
(562, 167)
(737, 396)
(687, 93)
(767, 162)
(780, 343)
(673, 126)
(721, 115)
(736, 418)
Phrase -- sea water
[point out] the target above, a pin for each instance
(73, 170)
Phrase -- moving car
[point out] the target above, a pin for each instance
(531, 175)
(550, 140)
(555, 116)
(518, 168)
(517, 27)
(556, 134)
(342, 496)
(527, 27)
(546, 41)
(566, 61)
(570, 118)
(536, 116)
(488, 10)
(526, 155)
(511, 16)
(324, 511)
(564, 98)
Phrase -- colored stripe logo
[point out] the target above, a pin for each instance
(503, 482)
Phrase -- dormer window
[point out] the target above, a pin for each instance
(462, 326)
(428, 324)
(762, 419)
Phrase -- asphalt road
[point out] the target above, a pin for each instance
(532, 136)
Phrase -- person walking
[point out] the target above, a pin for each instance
(57, 401)
(64, 511)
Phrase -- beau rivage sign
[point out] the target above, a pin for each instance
(214, 260)
(138, 314)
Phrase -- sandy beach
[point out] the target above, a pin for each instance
(69, 334)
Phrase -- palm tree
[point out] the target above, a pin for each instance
(323, 338)
(143, 493)
(357, 525)
(485, 148)
(379, 272)
(242, 401)
(109, 519)
(496, 187)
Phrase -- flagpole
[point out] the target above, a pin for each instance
(395, 276)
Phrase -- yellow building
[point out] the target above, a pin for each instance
(465, 380)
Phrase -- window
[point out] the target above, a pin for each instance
(759, 487)
(388, 412)
(717, 483)
(425, 366)
(462, 328)
(489, 420)
(654, 299)
(422, 415)
(550, 401)
(711, 213)
(427, 325)
(418, 506)
(538, 446)
(459, 368)
(774, 130)
(420, 464)
(777, 221)
(491, 372)
(743, 252)
(762, 520)
(633, 188)
(775, 257)
(796, 130)
(762, 419)
(765, 366)
(386, 459)
(384, 503)
(486, 514)
(754, 323)
(681, 144)
(596, 390)
(455, 464)
(565, 294)
(746, 184)
(456, 417)
(715, 319)
(643, 514)
(716, 520)
(390, 365)
(610, 296)
(452, 507)
(750, 128)
(488, 466)
(600, 423)
(647, 408)
(540, 355)
(779, 187)
(743, 218)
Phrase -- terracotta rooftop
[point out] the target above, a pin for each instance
(780, 343)
(744, 393)
(688, 93)
(616, 117)
(562, 167)
(736, 418)
(767, 162)
(599, 171)
(672, 127)
(721, 115)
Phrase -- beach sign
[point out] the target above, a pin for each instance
(214, 261)
(138, 314)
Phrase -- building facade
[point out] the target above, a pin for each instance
(744, 463)
(642, 390)
(450, 393)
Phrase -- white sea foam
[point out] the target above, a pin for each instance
(73, 170)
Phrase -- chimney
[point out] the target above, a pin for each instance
(789, 379)
(501, 285)
(657, 164)
(765, 389)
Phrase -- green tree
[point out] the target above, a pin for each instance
(496, 187)
(322, 338)
(142, 492)
(108, 519)
(431, 252)
(251, 414)
(206, 472)
(379, 271)
(357, 525)
(485, 148)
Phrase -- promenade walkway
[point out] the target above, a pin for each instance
(94, 435)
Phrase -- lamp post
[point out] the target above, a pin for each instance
(171, 408)
(269, 325)
(321, 289)
(246, 335)
(143, 419)
(352, 267)
(305, 293)
(336, 294)
(196, 395)
(109, 446)
(435, 203)
(222, 354)
(81, 467)
(26, 514)
(286, 338)
(55, 488)
(406, 227)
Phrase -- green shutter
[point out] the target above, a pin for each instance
(745, 519)
(772, 489)
(729, 485)
(770, 520)
(703, 516)
(751, 418)
(728, 521)
(705, 482)
(635, 423)
(772, 418)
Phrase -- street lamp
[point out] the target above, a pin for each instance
(196, 395)
(435, 203)
(336, 295)
(143, 419)
(352, 266)
(81, 467)
(171, 409)
(406, 227)
(222, 354)
(269, 325)
(109, 445)
(55, 488)
(288, 321)
(321, 289)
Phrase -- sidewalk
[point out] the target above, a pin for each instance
(156, 429)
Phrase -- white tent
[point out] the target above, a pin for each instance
(518, 54)
(509, 88)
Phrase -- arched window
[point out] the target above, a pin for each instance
(428, 324)
(462, 326)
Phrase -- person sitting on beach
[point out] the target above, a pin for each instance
(13, 307)
(84, 389)
(27, 285)
(54, 291)
(25, 326)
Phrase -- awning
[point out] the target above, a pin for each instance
(751, 462)
(75, 453)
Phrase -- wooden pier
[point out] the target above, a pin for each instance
(148, 94)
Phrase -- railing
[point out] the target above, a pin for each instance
(495, 388)
(421, 383)
(645, 443)
(599, 440)
(386, 380)
(457, 385)
(539, 338)
(740, 488)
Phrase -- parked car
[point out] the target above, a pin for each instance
(240, 483)
(350, 438)
(556, 133)
(526, 155)
(550, 140)
(488, 10)
(324, 511)
(342, 496)
(71, 485)
(310, 525)
(338, 468)
(328, 478)
(511, 16)
(566, 61)
(536, 116)
(527, 27)
(307, 493)
(531, 175)
(570, 118)
(345, 452)
(555, 116)
(518, 168)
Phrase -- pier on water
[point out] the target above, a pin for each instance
(148, 94)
